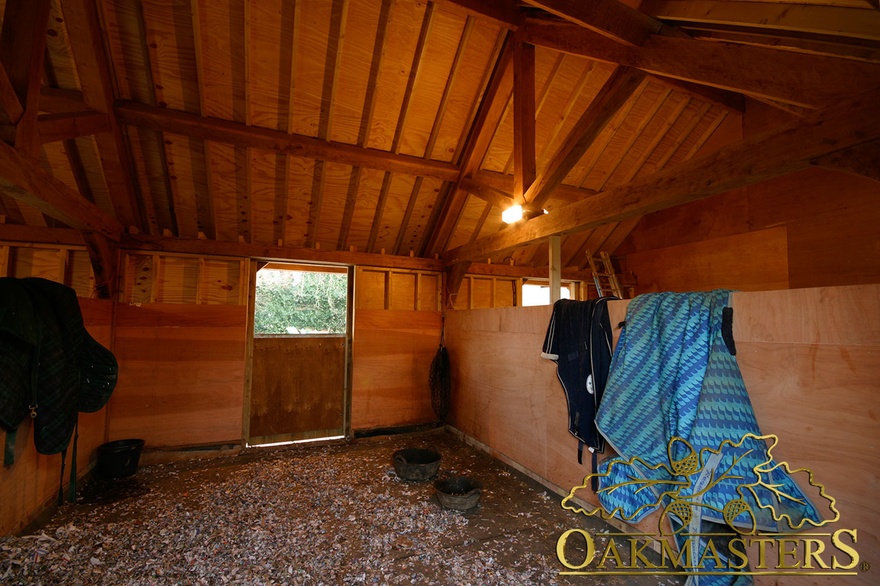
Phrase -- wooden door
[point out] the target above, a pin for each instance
(297, 388)
(299, 380)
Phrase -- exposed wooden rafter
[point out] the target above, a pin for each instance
(263, 126)
(816, 44)
(164, 119)
(10, 106)
(87, 43)
(503, 12)
(609, 18)
(821, 19)
(367, 113)
(405, 110)
(524, 161)
(22, 49)
(863, 160)
(489, 116)
(756, 71)
(501, 199)
(23, 179)
(503, 185)
(777, 152)
(613, 95)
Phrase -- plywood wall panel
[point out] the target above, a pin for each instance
(172, 54)
(841, 316)
(336, 178)
(299, 200)
(752, 261)
(810, 360)
(830, 220)
(78, 274)
(220, 282)
(45, 263)
(228, 185)
(812, 355)
(508, 410)
(370, 289)
(400, 45)
(482, 292)
(311, 62)
(176, 280)
(429, 292)
(181, 373)
(368, 189)
(268, 178)
(392, 354)
(403, 290)
(352, 73)
(393, 215)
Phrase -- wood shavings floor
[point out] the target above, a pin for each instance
(329, 515)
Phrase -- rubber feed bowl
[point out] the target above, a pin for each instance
(458, 492)
(119, 459)
(416, 463)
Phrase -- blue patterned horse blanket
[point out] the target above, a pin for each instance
(677, 412)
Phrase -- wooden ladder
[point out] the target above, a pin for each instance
(604, 276)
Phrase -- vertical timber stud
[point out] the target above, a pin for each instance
(555, 267)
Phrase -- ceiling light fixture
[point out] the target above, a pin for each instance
(516, 213)
(512, 214)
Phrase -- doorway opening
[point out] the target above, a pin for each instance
(537, 292)
(299, 383)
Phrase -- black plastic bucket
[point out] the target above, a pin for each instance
(119, 459)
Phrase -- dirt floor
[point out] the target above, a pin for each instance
(306, 515)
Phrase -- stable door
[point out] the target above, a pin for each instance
(299, 362)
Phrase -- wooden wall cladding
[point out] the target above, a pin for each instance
(184, 279)
(377, 288)
(831, 219)
(810, 359)
(814, 228)
(504, 394)
(68, 265)
(181, 373)
(392, 354)
(752, 261)
(487, 292)
(31, 483)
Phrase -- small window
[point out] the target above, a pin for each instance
(300, 302)
(537, 294)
